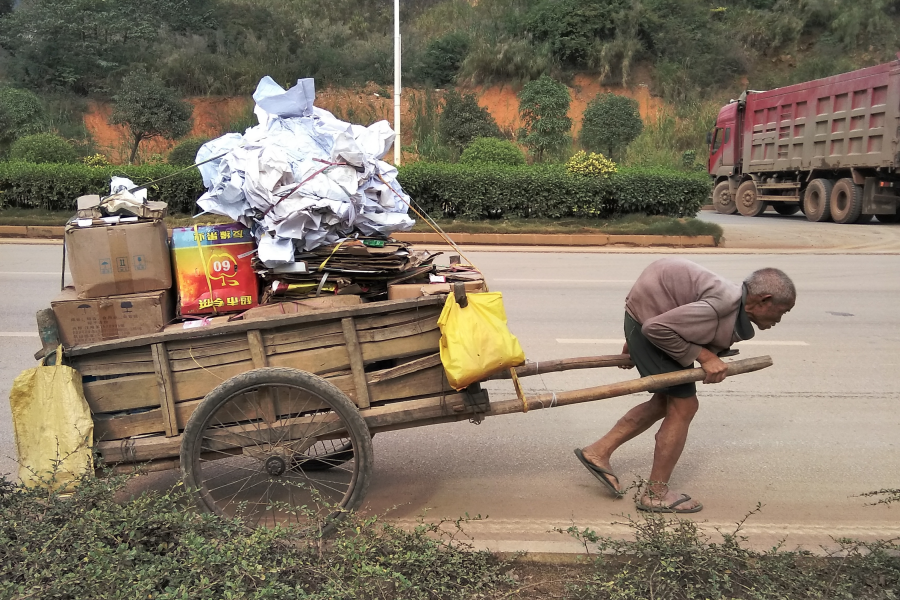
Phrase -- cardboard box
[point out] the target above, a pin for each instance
(85, 321)
(214, 269)
(119, 259)
(414, 290)
(297, 307)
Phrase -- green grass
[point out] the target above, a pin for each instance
(637, 224)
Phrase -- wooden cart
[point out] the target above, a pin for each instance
(270, 418)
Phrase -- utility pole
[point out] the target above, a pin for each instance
(397, 82)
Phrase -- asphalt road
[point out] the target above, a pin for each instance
(803, 437)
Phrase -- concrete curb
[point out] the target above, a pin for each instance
(481, 239)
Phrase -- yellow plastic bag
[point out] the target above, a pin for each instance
(52, 423)
(475, 341)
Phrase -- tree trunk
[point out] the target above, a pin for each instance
(134, 149)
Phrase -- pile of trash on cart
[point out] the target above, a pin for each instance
(313, 208)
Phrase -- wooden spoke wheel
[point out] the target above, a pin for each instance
(248, 448)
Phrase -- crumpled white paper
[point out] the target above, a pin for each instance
(302, 177)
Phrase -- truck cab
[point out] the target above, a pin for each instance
(723, 142)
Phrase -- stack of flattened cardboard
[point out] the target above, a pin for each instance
(364, 267)
(123, 278)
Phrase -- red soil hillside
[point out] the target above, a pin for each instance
(212, 116)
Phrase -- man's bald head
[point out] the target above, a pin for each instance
(774, 283)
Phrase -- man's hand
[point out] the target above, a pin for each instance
(625, 351)
(716, 370)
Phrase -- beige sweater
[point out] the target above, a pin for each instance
(684, 307)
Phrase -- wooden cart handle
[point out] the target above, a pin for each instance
(624, 388)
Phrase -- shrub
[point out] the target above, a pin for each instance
(544, 108)
(95, 160)
(21, 114)
(548, 191)
(610, 123)
(593, 165)
(55, 187)
(442, 58)
(463, 120)
(492, 151)
(184, 154)
(43, 148)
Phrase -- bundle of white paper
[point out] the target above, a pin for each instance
(302, 176)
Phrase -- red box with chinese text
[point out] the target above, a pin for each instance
(213, 269)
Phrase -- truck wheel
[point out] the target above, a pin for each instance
(817, 200)
(888, 218)
(723, 200)
(786, 208)
(846, 201)
(863, 219)
(747, 200)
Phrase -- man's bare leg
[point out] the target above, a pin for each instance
(670, 440)
(635, 422)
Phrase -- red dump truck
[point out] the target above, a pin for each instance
(828, 147)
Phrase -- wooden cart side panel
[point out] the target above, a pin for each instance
(139, 391)
(155, 448)
(166, 389)
(421, 382)
(374, 309)
(357, 367)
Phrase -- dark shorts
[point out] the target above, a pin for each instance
(650, 360)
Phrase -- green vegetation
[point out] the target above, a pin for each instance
(89, 546)
(591, 165)
(149, 109)
(492, 151)
(609, 124)
(43, 148)
(548, 191)
(21, 114)
(184, 154)
(543, 108)
(463, 120)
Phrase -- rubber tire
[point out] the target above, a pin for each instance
(895, 218)
(747, 199)
(817, 200)
(786, 208)
(723, 201)
(347, 412)
(846, 201)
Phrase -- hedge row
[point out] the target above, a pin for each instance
(485, 191)
(55, 186)
(476, 192)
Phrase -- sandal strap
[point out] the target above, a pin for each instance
(684, 498)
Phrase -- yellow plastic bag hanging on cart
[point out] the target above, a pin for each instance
(52, 423)
(475, 341)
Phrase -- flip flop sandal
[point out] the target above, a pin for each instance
(671, 508)
(600, 474)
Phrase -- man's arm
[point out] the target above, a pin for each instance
(683, 331)
(716, 369)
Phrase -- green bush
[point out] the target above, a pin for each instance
(610, 123)
(43, 148)
(548, 191)
(492, 151)
(590, 164)
(442, 58)
(184, 154)
(102, 542)
(55, 187)
(463, 120)
(21, 114)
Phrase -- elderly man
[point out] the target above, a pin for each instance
(679, 312)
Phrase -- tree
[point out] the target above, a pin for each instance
(543, 109)
(149, 109)
(442, 58)
(21, 113)
(610, 123)
(463, 120)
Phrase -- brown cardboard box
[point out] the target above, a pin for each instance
(119, 259)
(95, 320)
(414, 290)
(306, 306)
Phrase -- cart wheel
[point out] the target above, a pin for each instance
(247, 447)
